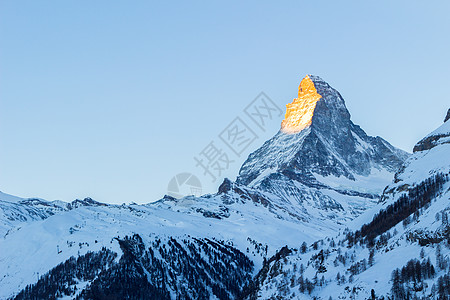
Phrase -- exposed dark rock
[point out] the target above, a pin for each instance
(85, 202)
(226, 186)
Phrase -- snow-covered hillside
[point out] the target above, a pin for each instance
(16, 211)
(248, 225)
(399, 249)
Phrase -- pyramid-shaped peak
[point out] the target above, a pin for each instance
(311, 83)
(319, 83)
(306, 86)
(317, 136)
(315, 78)
(300, 112)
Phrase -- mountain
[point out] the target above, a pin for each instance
(317, 174)
(16, 211)
(320, 164)
(399, 249)
(242, 225)
(317, 137)
(437, 137)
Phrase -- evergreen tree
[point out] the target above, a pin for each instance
(303, 247)
(398, 291)
(371, 257)
(422, 253)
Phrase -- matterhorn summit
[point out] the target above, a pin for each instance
(320, 160)
(315, 97)
(317, 140)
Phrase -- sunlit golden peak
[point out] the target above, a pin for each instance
(299, 113)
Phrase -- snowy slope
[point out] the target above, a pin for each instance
(89, 228)
(10, 198)
(342, 267)
(16, 211)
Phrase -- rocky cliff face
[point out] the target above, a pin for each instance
(437, 137)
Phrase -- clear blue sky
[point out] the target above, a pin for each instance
(111, 99)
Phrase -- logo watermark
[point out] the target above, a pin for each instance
(184, 184)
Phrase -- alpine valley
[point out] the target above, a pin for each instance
(319, 211)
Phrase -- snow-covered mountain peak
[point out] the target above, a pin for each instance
(300, 112)
(315, 97)
(318, 140)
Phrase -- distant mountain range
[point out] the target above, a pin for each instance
(321, 210)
